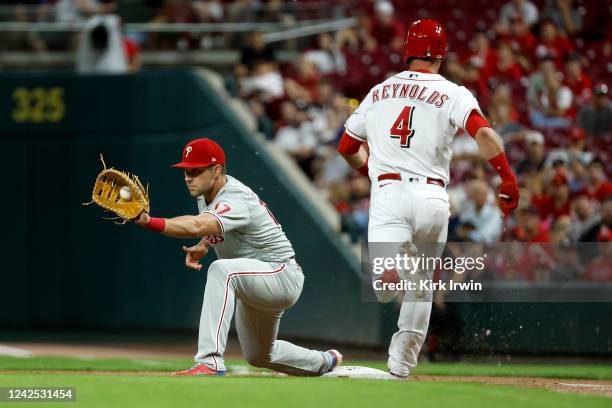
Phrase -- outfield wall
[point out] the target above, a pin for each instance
(65, 267)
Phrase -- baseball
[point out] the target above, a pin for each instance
(125, 193)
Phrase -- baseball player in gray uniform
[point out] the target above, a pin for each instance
(256, 273)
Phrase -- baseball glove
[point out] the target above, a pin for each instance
(127, 204)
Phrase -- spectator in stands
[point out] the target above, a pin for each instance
(480, 221)
(388, 31)
(101, 48)
(534, 162)
(506, 68)
(529, 227)
(504, 120)
(522, 41)
(523, 9)
(470, 77)
(321, 113)
(74, 11)
(502, 112)
(302, 86)
(575, 150)
(580, 178)
(564, 14)
(482, 55)
(551, 109)
(536, 86)
(256, 50)
(561, 230)
(601, 231)
(584, 216)
(257, 70)
(577, 80)
(553, 45)
(599, 187)
(297, 137)
(557, 202)
(264, 79)
(596, 118)
(327, 57)
(600, 268)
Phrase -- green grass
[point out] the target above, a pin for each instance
(151, 392)
(595, 372)
(129, 390)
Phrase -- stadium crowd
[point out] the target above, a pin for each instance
(539, 68)
(540, 75)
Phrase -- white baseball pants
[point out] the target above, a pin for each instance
(259, 292)
(415, 213)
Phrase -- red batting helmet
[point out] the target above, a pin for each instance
(425, 39)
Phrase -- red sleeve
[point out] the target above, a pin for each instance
(474, 122)
(348, 144)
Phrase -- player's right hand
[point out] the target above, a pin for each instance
(193, 255)
(508, 195)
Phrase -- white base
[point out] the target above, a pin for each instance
(360, 372)
(14, 352)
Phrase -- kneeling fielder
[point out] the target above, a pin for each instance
(256, 272)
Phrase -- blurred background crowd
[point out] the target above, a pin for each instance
(540, 70)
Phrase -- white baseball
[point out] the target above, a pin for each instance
(125, 193)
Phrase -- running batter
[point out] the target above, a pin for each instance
(408, 123)
(256, 272)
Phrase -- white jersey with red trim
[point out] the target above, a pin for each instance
(249, 230)
(409, 122)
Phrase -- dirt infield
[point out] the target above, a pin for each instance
(603, 388)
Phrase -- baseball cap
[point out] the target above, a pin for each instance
(534, 137)
(201, 153)
(600, 89)
(383, 7)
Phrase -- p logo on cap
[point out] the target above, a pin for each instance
(201, 153)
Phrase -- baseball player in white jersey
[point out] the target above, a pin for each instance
(408, 122)
(256, 272)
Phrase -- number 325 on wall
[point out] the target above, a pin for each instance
(38, 105)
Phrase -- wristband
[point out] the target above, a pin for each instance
(501, 165)
(156, 224)
(364, 169)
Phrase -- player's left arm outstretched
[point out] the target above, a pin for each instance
(185, 226)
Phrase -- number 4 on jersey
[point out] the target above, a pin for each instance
(402, 128)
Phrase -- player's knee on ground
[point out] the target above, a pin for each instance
(261, 359)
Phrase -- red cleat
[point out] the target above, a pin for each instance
(200, 369)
